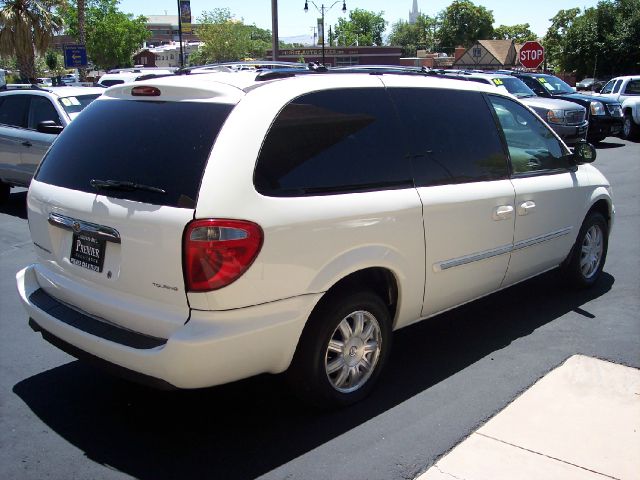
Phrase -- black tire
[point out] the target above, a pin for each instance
(582, 269)
(5, 188)
(308, 375)
(630, 131)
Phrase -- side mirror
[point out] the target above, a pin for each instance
(584, 152)
(49, 126)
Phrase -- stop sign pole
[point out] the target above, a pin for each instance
(531, 55)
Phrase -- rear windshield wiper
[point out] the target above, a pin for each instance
(123, 185)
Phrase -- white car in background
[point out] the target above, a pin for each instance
(30, 120)
(127, 75)
(626, 90)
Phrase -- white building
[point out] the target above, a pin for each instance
(169, 55)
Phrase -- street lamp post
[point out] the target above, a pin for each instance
(322, 11)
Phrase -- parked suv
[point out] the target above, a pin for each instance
(567, 119)
(230, 224)
(605, 116)
(30, 119)
(625, 90)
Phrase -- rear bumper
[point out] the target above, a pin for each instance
(212, 348)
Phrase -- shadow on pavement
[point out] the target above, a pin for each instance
(16, 205)
(608, 145)
(248, 428)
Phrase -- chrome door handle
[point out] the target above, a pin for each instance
(502, 212)
(526, 208)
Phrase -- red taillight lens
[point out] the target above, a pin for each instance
(145, 91)
(218, 252)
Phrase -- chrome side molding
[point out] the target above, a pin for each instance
(494, 252)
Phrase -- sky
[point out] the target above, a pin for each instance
(294, 22)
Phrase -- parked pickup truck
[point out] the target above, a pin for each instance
(626, 90)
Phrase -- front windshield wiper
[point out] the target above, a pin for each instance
(123, 185)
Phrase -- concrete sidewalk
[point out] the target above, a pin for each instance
(580, 421)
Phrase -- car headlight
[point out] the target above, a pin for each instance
(597, 108)
(555, 116)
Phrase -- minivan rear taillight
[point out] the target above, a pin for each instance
(218, 252)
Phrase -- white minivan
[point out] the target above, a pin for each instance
(230, 224)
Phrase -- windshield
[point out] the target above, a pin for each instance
(554, 85)
(514, 86)
(74, 105)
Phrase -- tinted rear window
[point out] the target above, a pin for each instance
(159, 144)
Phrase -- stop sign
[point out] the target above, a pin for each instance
(531, 55)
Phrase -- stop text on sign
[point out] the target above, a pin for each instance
(532, 55)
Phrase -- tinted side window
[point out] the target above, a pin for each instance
(110, 83)
(616, 87)
(331, 142)
(534, 85)
(40, 110)
(532, 145)
(633, 87)
(452, 136)
(13, 110)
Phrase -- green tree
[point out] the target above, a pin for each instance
(601, 41)
(27, 28)
(112, 36)
(414, 36)
(363, 28)
(463, 23)
(227, 39)
(554, 38)
(520, 33)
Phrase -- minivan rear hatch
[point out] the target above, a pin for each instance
(110, 201)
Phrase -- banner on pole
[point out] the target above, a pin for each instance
(320, 32)
(185, 15)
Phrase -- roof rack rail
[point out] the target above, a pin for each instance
(22, 86)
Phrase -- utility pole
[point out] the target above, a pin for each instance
(180, 35)
(274, 29)
(82, 37)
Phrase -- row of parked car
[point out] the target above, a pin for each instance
(192, 230)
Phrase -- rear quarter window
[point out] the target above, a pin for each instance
(334, 141)
(159, 144)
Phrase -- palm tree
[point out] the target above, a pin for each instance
(26, 28)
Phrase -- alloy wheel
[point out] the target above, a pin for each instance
(591, 252)
(353, 351)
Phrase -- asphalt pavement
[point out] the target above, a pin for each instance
(62, 419)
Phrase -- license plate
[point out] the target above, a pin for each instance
(88, 252)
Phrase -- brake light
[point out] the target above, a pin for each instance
(145, 91)
(218, 252)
